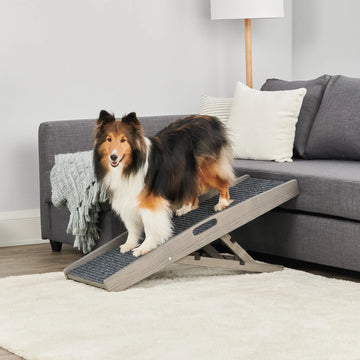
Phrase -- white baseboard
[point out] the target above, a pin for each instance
(20, 228)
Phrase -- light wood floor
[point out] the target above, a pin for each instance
(31, 259)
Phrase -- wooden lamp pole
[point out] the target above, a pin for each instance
(247, 9)
(248, 57)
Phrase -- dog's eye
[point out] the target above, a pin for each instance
(122, 140)
(108, 139)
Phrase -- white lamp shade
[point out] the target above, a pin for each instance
(246, 9)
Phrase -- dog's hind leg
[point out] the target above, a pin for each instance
(217, 175)
(223, 177)
(224, 198)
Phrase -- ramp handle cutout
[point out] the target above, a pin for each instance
(205, 226)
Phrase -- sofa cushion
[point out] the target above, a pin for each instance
(329, 187)
(216, 106)
(336, 130)
(262, 123)
(311, 103)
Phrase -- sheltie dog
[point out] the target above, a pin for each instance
(149, 178)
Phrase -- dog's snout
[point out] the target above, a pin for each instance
(113, 157)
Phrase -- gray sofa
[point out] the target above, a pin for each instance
(322, 225)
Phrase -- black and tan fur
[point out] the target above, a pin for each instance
(190, 156)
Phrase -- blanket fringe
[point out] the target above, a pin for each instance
(73, 183)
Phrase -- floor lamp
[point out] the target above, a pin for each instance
(246, 9)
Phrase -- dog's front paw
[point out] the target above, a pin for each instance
(126, 247)
(143, 249)
(139, 252)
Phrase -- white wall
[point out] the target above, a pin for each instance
(66, 59)
(272, 47)
(326, 38)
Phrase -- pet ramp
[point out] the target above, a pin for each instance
(194, 232)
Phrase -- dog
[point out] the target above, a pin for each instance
(147, 179)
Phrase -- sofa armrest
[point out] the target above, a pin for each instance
(68, 136)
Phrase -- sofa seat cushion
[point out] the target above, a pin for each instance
(329, 187)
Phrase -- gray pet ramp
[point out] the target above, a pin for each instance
(107, 268)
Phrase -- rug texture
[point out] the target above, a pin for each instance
(183, 313)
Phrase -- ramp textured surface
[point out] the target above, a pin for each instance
(107, 264)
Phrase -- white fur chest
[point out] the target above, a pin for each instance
(125, 190)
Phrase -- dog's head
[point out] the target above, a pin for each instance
(118, 141)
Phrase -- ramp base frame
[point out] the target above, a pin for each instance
(196, 240)
(238, 260)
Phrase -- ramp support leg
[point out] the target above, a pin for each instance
(238, 260)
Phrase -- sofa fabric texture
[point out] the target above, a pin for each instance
(304, 236)
(335, 133)
(311, 103)
(328, 187)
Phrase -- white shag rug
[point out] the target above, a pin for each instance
(183, 313)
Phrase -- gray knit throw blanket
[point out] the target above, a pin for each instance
(73, 184)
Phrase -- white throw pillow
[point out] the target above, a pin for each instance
(262, 123)
(215, 106)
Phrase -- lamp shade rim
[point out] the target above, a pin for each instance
(246, 9)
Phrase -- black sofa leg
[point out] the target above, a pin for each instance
(55, 245)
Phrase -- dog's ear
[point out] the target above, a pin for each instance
(131, 119)
(104, 118)
(136, 129)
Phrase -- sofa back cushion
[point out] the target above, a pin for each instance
(335, 133)
(311, 103)
(216, 106)
(262, 123)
